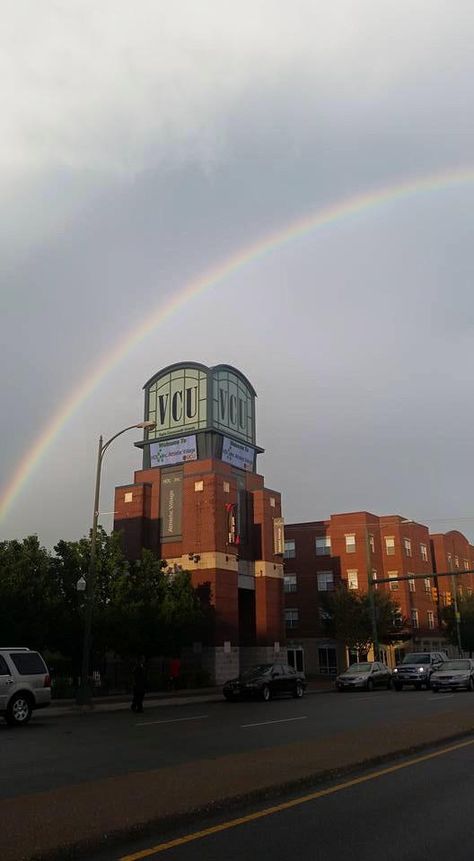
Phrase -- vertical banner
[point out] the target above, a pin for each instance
(171, 505)
(278, 536)
(232, 536)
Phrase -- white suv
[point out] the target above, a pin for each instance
(25, 684)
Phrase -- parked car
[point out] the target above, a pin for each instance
(266, 681)
(416, 669)
(454, 675)
(25, 684)
(366, 675)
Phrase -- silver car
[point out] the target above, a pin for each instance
(366, 675)
(454, 675)
(25, 684)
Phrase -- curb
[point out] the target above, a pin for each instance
(172, 822)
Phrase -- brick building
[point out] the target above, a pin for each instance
(199, 503)
(347, 549)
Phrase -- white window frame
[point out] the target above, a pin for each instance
(292, 617)
(389, 545)
(424, 552)
(415, 619)
(325, 581)
(411, 583)
(353, 579)
(290, 581)
(407, 546)
(289, 552)
(395, 586)
(350, 545)
(427, 583)
(325, 548)
(431, 620)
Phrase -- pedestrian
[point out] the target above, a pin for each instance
(175, 669)
(139, 685)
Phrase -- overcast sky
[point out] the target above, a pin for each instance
(141, 143)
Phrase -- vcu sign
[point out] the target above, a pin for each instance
(189, 397)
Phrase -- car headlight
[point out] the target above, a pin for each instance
(421, 669)
(395, 670)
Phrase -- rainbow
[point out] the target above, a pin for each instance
(327, 215)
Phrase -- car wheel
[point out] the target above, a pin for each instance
(398, 686)
(370, 685)
(389, 685)
(470, 686)
(266, 693)
(417, 686)
(298, 690)
(19, 710)
(434, 689)
(230, 698)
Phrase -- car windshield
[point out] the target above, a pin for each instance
(260, 670)
(360, 668)
(456, 665)
(416, 658)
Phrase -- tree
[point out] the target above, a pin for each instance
(26, 593)
(347, 617)
(466, 610)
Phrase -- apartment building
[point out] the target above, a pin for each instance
(349, 548)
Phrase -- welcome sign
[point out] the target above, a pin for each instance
(190, 397)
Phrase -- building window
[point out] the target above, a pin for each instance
(289, 583)
(272, 502)
(198, 486)
(407, 546)
(414, 618)
(226, 487)
(449, 561)
(290, 549)
(394, 585)
(128, 497)
(323, 545)
(424, 552)
(427, 583)
(390, 546)
(466, 565)
(447, 599)
(291, 617)
(430, 620)
(325, 581)
(352, 580)
(456, 561)
(350, 543)
(372, 543)
(460, 591)
(412, 585)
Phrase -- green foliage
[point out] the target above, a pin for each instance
(347, 617)
(138, 609)
(466, 609)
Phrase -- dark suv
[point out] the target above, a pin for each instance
(416, 669)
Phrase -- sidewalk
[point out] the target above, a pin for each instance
(121, 702)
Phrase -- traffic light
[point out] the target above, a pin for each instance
(434, 594)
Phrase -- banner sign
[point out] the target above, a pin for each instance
(173, 451)
(237, 454)
(171, 504)
(278, 536)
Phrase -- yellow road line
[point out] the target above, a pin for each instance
(286, 805)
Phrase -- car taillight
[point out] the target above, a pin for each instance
(47, 681)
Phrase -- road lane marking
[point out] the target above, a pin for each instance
(171, 720)
(287, 805)
(441, 699)
(266, 722)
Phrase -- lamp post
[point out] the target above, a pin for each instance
(84, 693)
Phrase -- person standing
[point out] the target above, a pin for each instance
(139, 685)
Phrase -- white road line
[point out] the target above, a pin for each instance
(266, 722)
(173, 720)
(441, 699)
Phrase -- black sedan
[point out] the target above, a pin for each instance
(266, 681)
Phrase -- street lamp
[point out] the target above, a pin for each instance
(84, 693)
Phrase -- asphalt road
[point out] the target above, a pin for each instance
(59, 750)
(421, 810)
